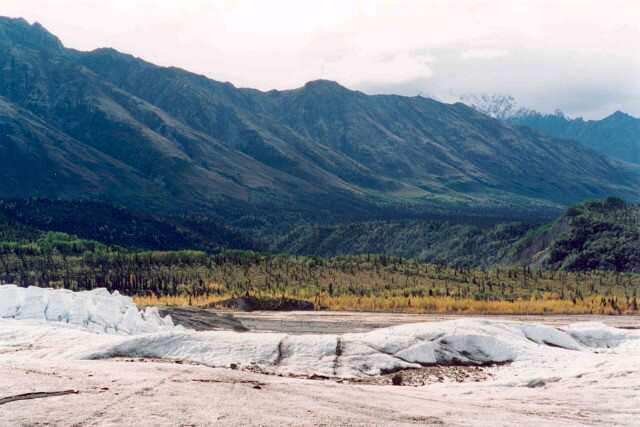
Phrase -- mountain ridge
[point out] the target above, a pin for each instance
(616, 135)
(174, 140)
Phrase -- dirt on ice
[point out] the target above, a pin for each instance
(152, 393)
(339, 322)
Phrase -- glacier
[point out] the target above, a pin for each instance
(96, 311)
(99, 325)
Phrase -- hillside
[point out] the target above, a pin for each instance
(474, 241)
(444, 242)
(30, 221)
(596, 235)
(599, 235)
(104, 125)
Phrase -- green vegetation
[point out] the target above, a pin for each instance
(350, 283)
(117, 226)
(441, 242)
(598, 235)
(451, 202)
(580, 263)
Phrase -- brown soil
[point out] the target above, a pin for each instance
(252, 303)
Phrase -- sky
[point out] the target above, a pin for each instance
(579, 56)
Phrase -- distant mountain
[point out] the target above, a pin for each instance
(497, 106)
(105, 125)
(617, 136)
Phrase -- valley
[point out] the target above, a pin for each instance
(285, 213)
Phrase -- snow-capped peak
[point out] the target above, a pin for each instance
(498, 106)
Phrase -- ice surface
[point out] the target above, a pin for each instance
(594, 334)
(96, 311)
(99, 325)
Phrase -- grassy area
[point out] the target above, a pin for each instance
(547, 304)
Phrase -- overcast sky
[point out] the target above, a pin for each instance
(581, 56)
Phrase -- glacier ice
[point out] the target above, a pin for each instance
(96, 310)
(100, 325)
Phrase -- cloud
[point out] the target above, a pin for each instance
(382, 69)
(482, 54)
(575, 55)
(415, 87)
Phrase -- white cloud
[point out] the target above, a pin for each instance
(483, 54)
(577, 55)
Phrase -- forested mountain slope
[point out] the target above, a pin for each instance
(597, 235)
(28, 221)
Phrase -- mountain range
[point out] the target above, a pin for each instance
(617, 135)
(109, 126)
